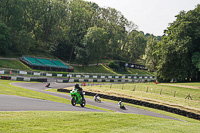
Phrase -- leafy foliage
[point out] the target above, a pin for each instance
(113, 65)
(178, 52)
(5, 39)
(68, 29)
(196, 59)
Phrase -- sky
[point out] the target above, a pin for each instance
(151, 16)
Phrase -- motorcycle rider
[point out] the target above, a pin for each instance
(79, 89)
(97, 98)
(121, 104)
(47, 85)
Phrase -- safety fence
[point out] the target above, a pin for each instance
(16, 78)
(105, 80)
(76, 75)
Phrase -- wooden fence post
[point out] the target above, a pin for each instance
(188, 96)
(122, 86)
(134, 88)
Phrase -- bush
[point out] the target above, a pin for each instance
(113, 65)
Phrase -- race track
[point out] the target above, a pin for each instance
(15, 103)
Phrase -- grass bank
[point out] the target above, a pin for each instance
(136, 106)
(173, 96)
(13, 64)
(63, 122)
(16, 64)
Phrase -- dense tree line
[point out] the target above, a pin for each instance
(81, 31)
(73, 30)
(177, 56)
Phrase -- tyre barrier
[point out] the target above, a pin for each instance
(24, 79)
(142, 103)
(6, 77)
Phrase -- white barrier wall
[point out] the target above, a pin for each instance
(22, 72)
(1, 72)
(49, 75)
(37, 74)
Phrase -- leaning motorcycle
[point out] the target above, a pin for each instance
(77, 98)
(97, 99)
(121, 105)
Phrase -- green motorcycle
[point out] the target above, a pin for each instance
(77, 98)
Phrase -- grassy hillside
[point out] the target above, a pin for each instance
(91, 69)
(13, 64)
(16, 64)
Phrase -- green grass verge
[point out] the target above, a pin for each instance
(7, 89)
(51, 122)
(90, 69)
(62, 122)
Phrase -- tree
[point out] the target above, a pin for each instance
(24, 43)
(5, 39)
(95, 43)
(59, 27)
(196, 60)
(178, 48)
(135, 46)
(150, 55)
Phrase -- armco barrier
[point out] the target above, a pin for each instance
(76, 75)
(142, 103)
(104, 80)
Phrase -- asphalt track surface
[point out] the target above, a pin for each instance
(16, 103)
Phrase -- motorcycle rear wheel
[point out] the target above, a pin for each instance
(83, 103)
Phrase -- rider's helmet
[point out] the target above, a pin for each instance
(76, 85)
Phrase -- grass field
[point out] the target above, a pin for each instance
(70, 122)
(62, 122)
(161, 94)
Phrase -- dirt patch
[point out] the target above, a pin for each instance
(192, 87)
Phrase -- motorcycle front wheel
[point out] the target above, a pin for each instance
(73, 101)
